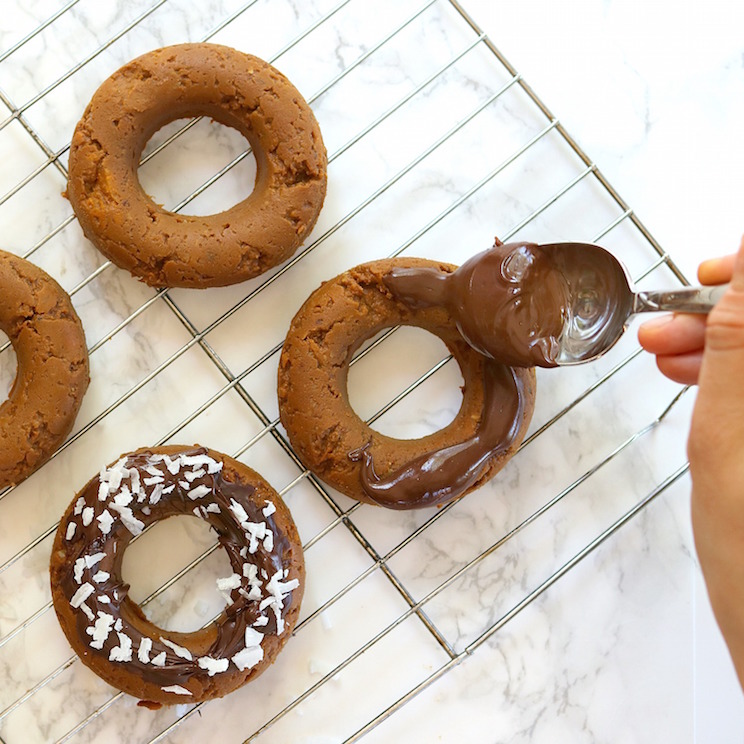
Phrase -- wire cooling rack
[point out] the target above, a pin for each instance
(435, 144)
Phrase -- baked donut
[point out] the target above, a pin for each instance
(341, 449)
(52, 367)
(110, 632)
(165, 249)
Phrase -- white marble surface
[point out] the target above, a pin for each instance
(618, 648)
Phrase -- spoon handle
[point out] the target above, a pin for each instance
(686, 300)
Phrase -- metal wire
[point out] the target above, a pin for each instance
(454, 18)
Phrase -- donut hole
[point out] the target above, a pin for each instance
(8, 367)
(159, 554)
(188, 161)
(389, 368)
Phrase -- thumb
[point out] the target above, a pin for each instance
(717, 429)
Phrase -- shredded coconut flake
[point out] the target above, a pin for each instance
(82, 594)
(194, 474)
(100, 629)
(143, 652)
(124, 497)
(213, 508)
(93, 560)
(71, 527)
(77, 570)
(261, 620)
(184, 653)
(248, 657)
(269, 509)
(134, 525)
(105, 520)
(176, 690)
(156, 493)
(122, 652)
(159, 660)
(103, 491)
(101, 576)
(88, 514)
(199, 492)
(87, 611)
(79, 504)
(104, 599)
(213, 666)
(253, 637)
(237, 509)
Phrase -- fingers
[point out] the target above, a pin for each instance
(682, 368)
(670, 335)
(718, 270)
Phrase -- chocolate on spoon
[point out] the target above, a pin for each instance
(550, 305)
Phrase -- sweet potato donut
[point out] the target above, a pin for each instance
(52, 367)
(110, 632)
(165, 249)
(335, 444)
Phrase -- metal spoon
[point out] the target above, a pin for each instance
(601, 299)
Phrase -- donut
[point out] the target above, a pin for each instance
(341, 449)
(52, 367)
(165, 249)
(110, 632)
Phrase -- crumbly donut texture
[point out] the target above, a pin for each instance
(111, 634)
(52, 373)
(164, 248)
(312, 386)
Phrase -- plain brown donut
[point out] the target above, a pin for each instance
(313, 399)
(52, 367)
(110, 632)
(163, 248)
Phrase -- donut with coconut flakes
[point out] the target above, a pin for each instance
(110, 632)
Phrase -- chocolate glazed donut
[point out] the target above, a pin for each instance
(167, 249)
(335, 444)
(52, 375)
(110, 632)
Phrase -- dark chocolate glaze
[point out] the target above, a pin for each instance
(514, 301)
(438, 477)
(237, 616)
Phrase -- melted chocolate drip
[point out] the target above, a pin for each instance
(438, 477)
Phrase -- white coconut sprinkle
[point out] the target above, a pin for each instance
(77, 570)
(269, 509)
(278, 590)
(213, 666)
(248, 657)
(184, 484)
(184, 653)
(169, 489)
(176, 690)
(194, 474)
(71, 527)
(88, 514)
(159, 660)
(261, 620)
(87, 611)
(104, 599)
(143, 652)
(134, 525)
(78, 508)
(124, 497)
(122, 652)
(103, 491)
(199, 492)
(101, 629)
(153, 480)
(213, 508)
(81, 595)
(254, 531)
(93, 560)
(156, 493)
(101, 576)
(105, 520)
(237, 509)
(268, 541)
(253, 637)
(118, 625)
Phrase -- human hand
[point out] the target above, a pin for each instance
(678, 340)
(711, 352)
